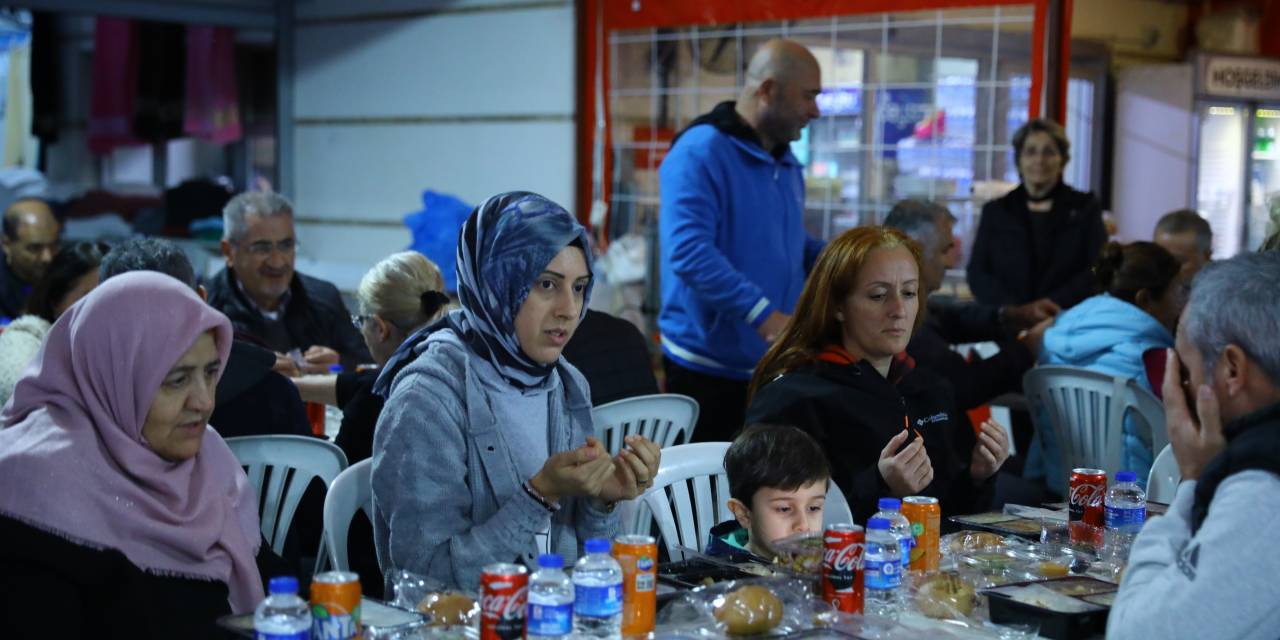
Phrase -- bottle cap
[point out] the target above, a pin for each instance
(1126, 476)
(890, 504)
(597, 545)
(551, 561)
(335, 368)
(283, 584)
(878, 523)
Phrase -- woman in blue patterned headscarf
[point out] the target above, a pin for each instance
(484, 451)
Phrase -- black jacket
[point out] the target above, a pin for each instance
(315, 316)
(51, 587)
(613, 356)
(853, 412)
(980, 380)
(1005, 266)
(13, 292)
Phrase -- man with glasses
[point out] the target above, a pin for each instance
(30, 239)
(302, 318)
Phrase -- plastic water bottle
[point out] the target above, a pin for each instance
(550, 612)
(882, 570)
(283, 615)
(900, 527)
(332, 414)
(1126, 510)
(597, 592)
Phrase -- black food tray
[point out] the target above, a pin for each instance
(690, 574)
(1054, 624)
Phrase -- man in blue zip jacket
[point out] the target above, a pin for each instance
(734, 249)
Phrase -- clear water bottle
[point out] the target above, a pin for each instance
(881, 570)
(550, 613)
(283, 615)
(900, 527)
(597, 592)
(1126, 510)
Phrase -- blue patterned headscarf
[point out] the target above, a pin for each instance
(504, 245)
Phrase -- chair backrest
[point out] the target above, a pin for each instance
(1149, 410)
(665, 418)
(350, 492)
(836, 508)
(1086, 411)
(1163, 481)
(280, 468)
(690, 495)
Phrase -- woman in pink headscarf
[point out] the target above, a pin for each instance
(121, 513)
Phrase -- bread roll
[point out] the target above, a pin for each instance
(750, 610)
(447, 609)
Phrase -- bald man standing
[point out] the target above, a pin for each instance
(734, 249)
(30, 239)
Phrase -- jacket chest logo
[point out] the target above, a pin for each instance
(937, 417)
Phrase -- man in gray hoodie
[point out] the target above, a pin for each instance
(1210, 568)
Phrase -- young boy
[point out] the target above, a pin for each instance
(778, 478)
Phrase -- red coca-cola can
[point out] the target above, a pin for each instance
(504, 589)
(842, 566)
(1088, 489)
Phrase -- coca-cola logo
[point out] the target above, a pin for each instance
(504, 605)
(1086, 495)
(842, 564)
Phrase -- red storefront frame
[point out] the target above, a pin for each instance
(597, 18)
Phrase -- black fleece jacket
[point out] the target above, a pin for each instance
(853, 412)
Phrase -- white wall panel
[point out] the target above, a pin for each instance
(1153, 146)
(509, 62)
(379, 172)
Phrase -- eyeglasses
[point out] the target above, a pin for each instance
(264, 247)
(358, 320)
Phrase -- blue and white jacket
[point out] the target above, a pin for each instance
(733, 243)
(1107, 335)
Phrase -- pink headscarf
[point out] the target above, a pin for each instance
(73, 461)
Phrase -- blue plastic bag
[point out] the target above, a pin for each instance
(435, 231)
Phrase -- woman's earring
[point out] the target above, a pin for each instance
(839, 317)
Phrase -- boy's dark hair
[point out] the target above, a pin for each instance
(148, 254)
(775, 456)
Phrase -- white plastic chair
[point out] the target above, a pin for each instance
(690, 495)
(1086, 411)
(1163, 481)
(836, 509)
(1149, 410)
(350, 492)
(665, 418)
(286, 464)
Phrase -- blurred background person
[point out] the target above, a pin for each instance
(1144, 289)
(29, 241)
(397, 297)
(72, 275)
(977, 380)
(1187, 236)
(1041, 239)
(301, 318)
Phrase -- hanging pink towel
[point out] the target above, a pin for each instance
(115, 82)
(213, 110)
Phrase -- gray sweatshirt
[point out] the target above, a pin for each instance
(447, 490)
(1224, 582)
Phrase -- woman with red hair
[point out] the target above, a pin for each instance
(840, 372)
